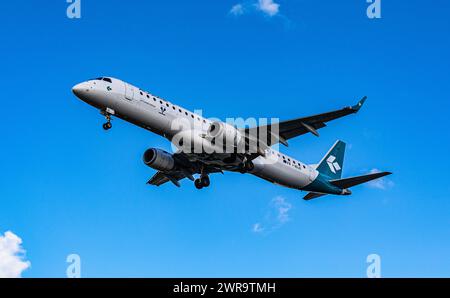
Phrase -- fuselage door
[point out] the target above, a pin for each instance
(129, 91)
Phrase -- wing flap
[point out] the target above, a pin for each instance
(158, 179)
(161, 178)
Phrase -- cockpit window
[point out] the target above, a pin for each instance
(102, 79)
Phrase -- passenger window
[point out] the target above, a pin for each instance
(173, 107)
(186, 113)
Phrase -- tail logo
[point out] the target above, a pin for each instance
(334, 166)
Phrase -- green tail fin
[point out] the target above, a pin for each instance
(332, 163)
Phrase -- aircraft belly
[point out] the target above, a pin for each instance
(280, 173)
(142, 115)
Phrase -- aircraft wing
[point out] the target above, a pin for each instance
(187, 167)
(296, 127)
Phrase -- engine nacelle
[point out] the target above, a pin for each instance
(224, 133)
(159, 160)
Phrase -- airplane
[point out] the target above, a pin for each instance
(222, 146)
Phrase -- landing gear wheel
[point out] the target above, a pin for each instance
(198, 183)
(107, 126)
(205, 181)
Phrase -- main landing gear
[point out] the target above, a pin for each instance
(107, 125)
(201, 182)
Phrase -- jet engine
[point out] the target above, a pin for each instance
(224, 133)
(159, 160)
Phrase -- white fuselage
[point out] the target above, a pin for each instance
(141, 108)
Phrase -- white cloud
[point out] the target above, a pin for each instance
(237, 10)
(12, 262)
(380, 183)
(268, 7)
(282, 208)
(257, 228)
(276, 216)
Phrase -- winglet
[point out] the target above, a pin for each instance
(358, 106)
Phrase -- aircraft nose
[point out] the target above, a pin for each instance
(80, 89)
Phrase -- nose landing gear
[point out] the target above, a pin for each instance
(107, 125)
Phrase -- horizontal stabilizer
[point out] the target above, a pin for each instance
(349, 182)
(313, 195)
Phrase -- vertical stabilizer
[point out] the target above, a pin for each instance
(332, 163)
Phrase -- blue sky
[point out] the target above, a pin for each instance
(67, 187)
